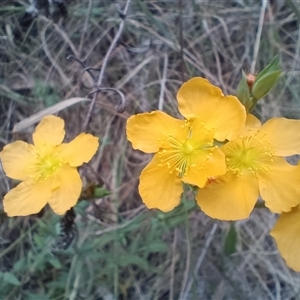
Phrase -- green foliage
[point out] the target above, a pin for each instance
(267, 78)
(141, 254)
(249, 94)
(37, 271)
(243, 93)
(46, 93)
(10, 278)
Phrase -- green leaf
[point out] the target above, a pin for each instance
(30, 296)
(155, 247)
(60, 282)
(262, 87)
(11, 278)
(101, 192)
(274, 65)
(127, 260)
(55, 263)
(230, 241)
(267, 78)
(20, 265)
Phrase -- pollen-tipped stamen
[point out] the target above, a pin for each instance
(45, 166)
(248, 154)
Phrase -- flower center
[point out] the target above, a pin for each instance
(187, 148)
(46, 165)
(248, 154)
(193, 151)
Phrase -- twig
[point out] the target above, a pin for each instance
(65, 79)
(62, 33)
(120, 108)
(171, 295)
(258, 35)
(181, 41)
(163, 83)
(200, 260)
(188, 254)
(105, 61)
(84, 31)
(66, 38)
(216, 54)
(113, 44)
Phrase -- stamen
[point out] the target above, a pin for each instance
(181, 156)
(249, 154)
(45, 165)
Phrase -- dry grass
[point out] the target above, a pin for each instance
(161, 44)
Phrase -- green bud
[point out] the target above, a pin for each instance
(100, 192)
(267, 78)
(243, 92)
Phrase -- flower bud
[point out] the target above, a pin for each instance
(243, 92)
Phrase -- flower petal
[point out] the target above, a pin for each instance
(80, 150)
(16, 158)
(226, 115)
(251, 127)
(211, 166)
(158, 188)
(145, 130)
(286, 234)
(229, 197)
(283, 135)
(195, 93)
(280, 187)
(252, 121)
(26, 198)
(50, 131)
(66, 188)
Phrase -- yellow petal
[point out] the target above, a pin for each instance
(49, 132)
(214, 165)
(195, 94)
(252, 121)
(158, 188)
(80, 150)
(251, 127)
(229, 197)
(145, 130)
(198, 97)
(280, 186)
(26, 198)
(286, 234)
(283, 135)
(66, 188)
(16, 159)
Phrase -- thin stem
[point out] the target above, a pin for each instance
(86, 22)
(258, 36)
(163, 83)
(200, 260)
(105, 61)
(181, 41)
(188, 252)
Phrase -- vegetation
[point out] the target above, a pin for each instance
(116, 248)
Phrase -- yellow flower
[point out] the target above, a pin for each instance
(184, 149)
(286, 234)
(255, 166)
(47, 169)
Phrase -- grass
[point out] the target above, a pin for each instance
(121, 250)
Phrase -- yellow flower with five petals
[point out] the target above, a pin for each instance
(185, 150)
(255, 166)
(47, 169)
